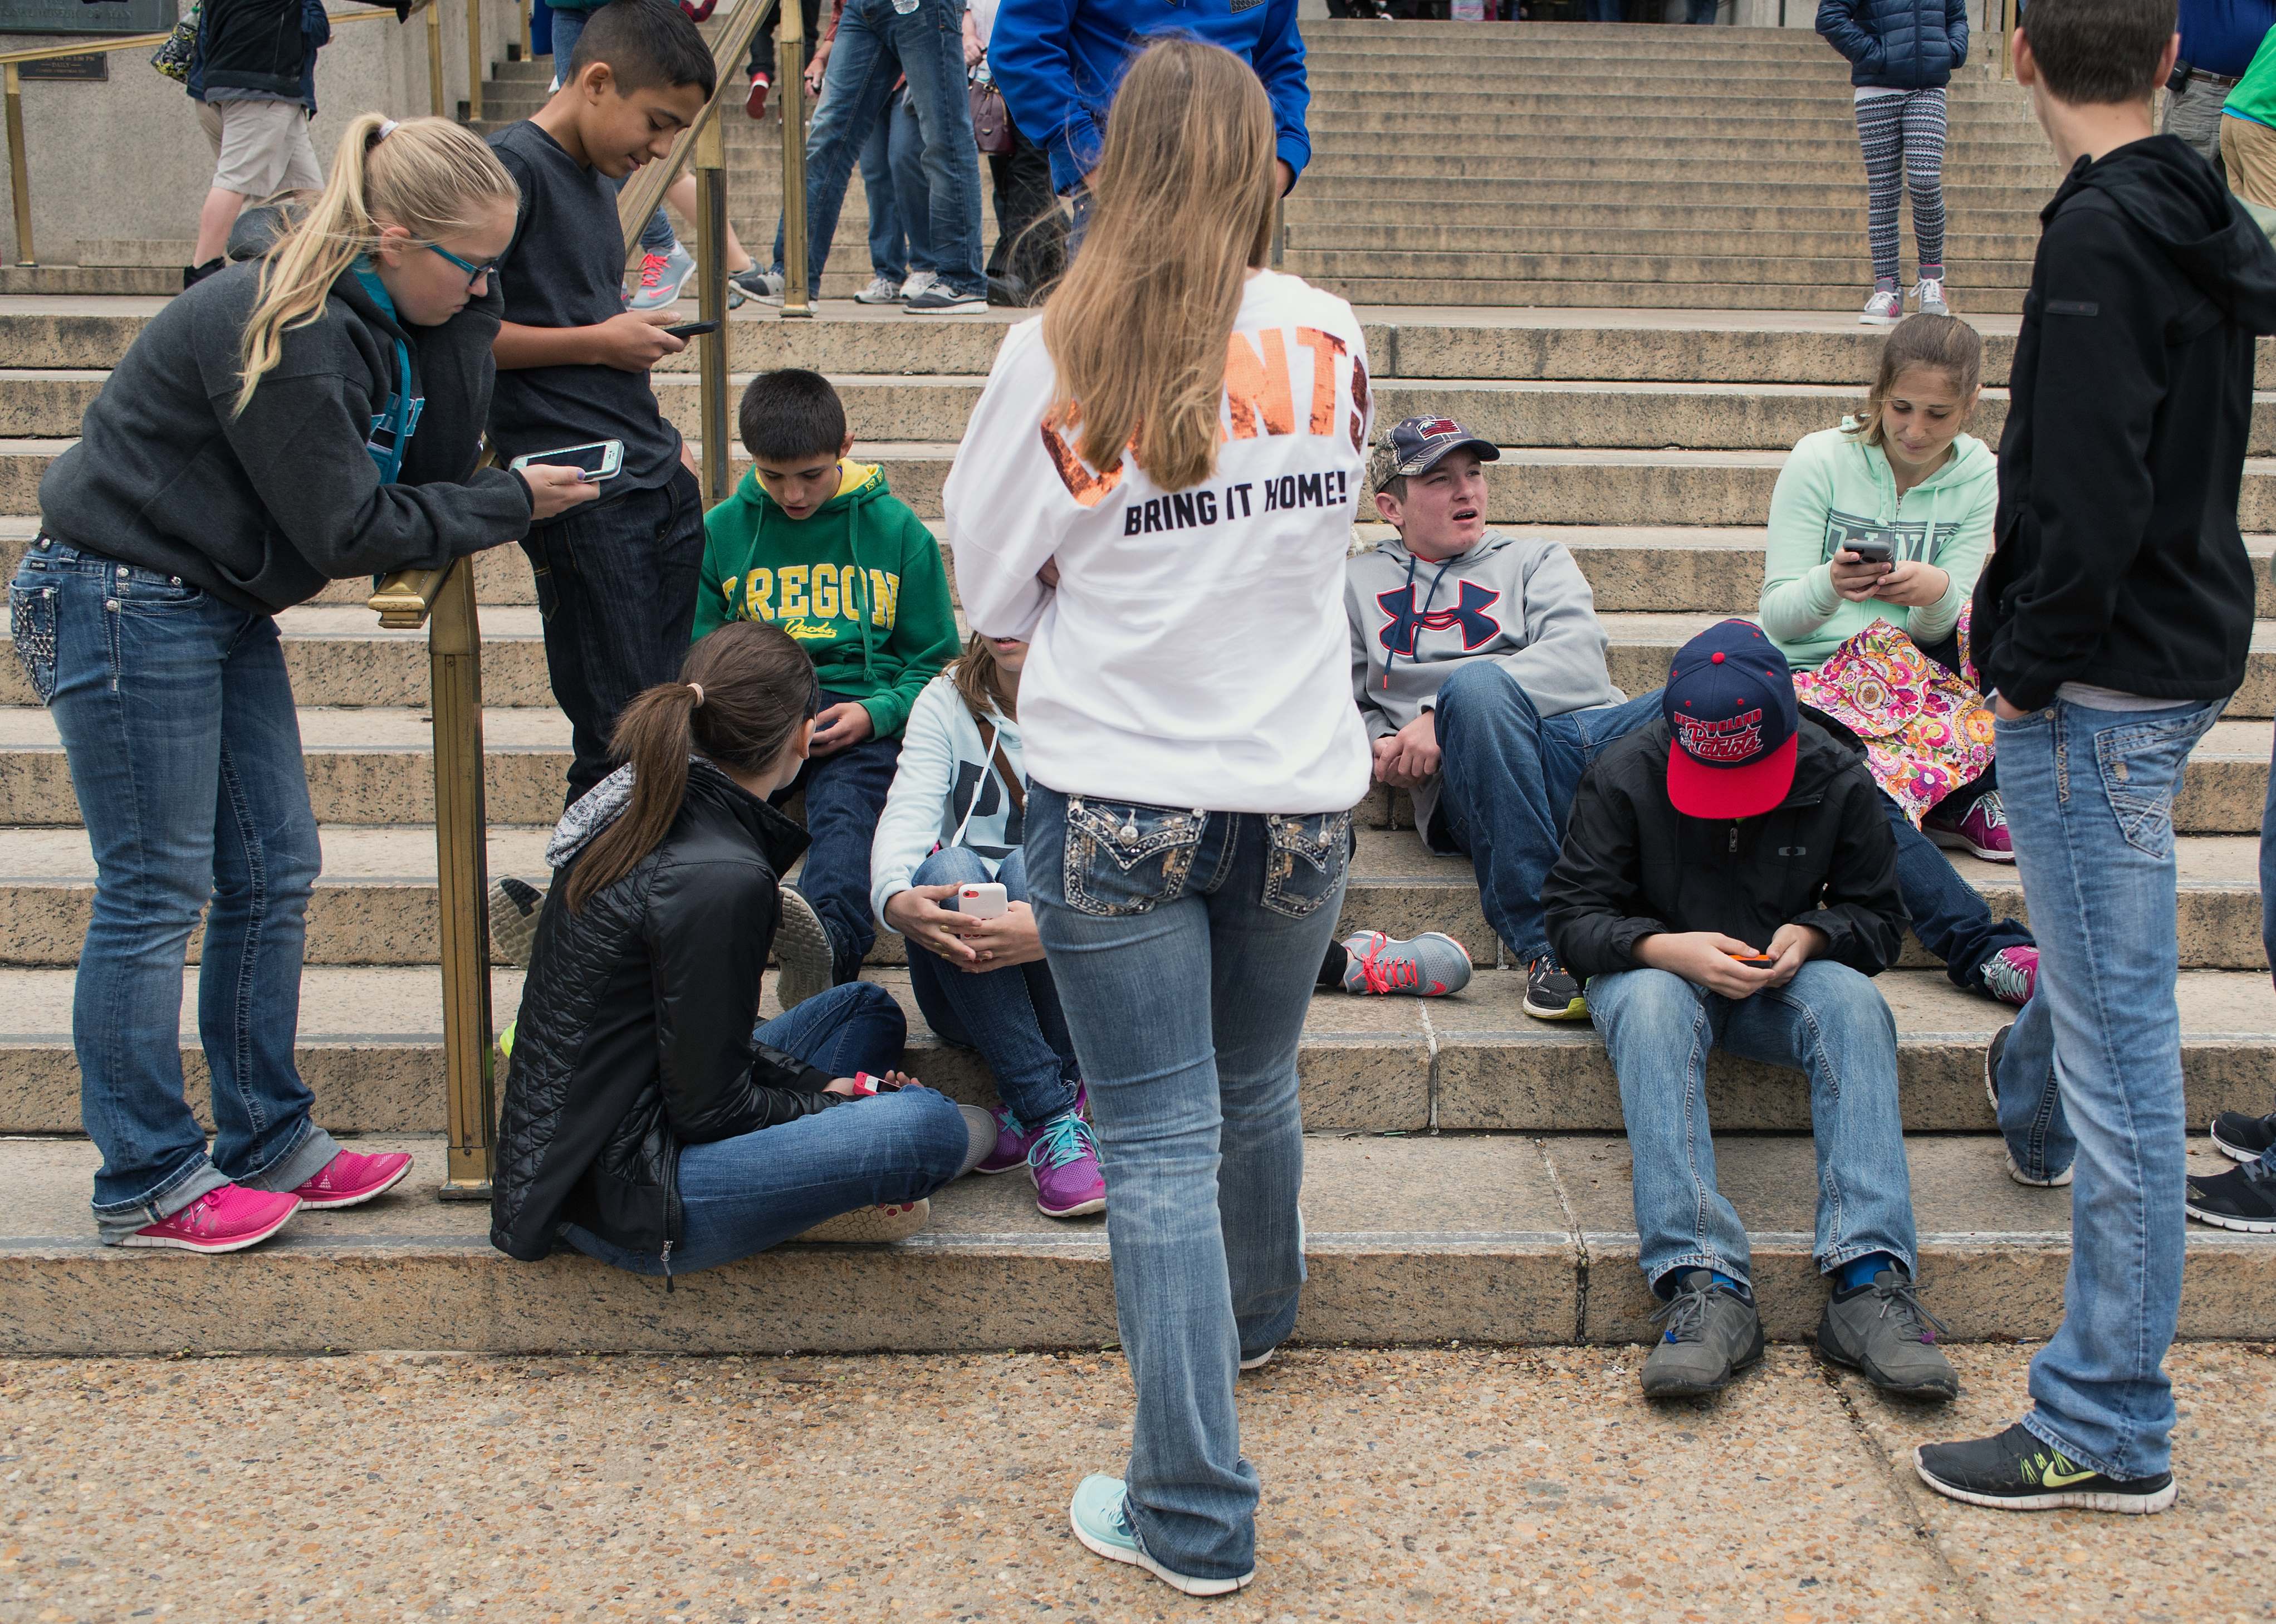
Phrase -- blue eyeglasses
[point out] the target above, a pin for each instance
(475, 273)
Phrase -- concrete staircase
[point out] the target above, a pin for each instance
(1467, 1175)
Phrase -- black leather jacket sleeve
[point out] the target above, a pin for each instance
(1592, 896)
(1863, 912)
(709, 927)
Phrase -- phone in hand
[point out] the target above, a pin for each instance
(982, 900)
(1872, 549)
(693, 330)
(598, 461)
(1754, 961)
(867, 1087)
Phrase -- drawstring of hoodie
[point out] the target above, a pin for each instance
(1433, 597)
(869, 592)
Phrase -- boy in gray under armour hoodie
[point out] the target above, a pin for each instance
(1478, 665)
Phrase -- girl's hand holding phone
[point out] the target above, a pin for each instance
(1913, 584)
(1855, 578)
(556, 490)
(1002, 942)
(917, 913)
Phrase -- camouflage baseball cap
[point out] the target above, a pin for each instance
(1416, 445)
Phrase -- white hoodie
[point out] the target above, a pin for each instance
(1195, 654)
(945, 792)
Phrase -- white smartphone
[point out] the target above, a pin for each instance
(983, 899)
(599, 460)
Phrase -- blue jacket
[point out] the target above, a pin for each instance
(1897, 44)
(1058, 62)
(2219, 36)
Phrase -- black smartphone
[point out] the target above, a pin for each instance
(1872, 549)
(693, 330)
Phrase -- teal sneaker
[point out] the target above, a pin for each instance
(1100, 1521)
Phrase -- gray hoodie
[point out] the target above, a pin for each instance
(1517, 601)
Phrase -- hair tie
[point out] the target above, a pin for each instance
(387, 127)
(699, 692)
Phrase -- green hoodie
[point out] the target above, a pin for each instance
(859, 583)
(1834, 487)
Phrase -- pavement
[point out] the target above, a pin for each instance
(1450, 1484)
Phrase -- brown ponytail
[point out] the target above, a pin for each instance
(743, 693)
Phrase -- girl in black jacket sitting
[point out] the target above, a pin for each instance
(645, 1122)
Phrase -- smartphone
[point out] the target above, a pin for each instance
(981, 900)
(693, 330)
(1754, 961)
(1872, 549)
(601, 459)
(868, 1087)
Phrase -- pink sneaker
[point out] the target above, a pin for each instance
(1014, 1139)
(349, 1179)
(1064, 1160)
(227, 1219)
(1981, 831)
(2012, 974)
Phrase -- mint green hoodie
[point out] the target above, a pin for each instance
(859, 582)
(1834, 487)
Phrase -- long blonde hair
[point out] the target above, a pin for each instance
(1138, 327)
(1942, 343)
(429, 176)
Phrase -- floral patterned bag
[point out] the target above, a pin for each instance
(1925, 730)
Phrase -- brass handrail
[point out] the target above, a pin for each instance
(11, 84)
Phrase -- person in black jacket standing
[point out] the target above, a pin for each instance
(1902, 54)
(313, 414)
(1729, 878)
(2112, 625)
(646, 1123)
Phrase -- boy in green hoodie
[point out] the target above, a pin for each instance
(813, 543)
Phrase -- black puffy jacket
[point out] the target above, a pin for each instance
(634, 1036)
(255, 45)
(1897, 44)
(1633, 865)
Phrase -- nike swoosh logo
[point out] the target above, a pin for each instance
(2055, 1477)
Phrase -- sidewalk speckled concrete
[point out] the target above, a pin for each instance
(1439, 1485)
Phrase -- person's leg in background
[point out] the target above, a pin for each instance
(256, 151)
(854, 90)
(1949, 916)
(1924, 155)
(1881, 137)
(1029, 251)
(845, 795)
(930, 43)
(2248, 151)
(906, 176)
(1701, 11)
(2194, 114)
(889, 244)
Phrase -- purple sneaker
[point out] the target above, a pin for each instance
(1981, 831)
(1014, 1139)
(2012, 974)
(1064, 1160)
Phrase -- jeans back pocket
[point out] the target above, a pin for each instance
(32, 623)
(1307, 860)
(1123, 859)
(2141, 766)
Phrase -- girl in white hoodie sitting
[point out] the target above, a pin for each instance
(956, 814)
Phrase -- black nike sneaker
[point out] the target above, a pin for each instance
(2015, 1471)
(2242, 1138)
(2242, 1198)
(1553, 992)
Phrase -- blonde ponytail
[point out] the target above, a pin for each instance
(429, 176)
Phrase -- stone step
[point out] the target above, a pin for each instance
(1830, 152)
(1391, 167)
(1470, 1237)
(1643, 257)
(1421, 247)
(1400, 220)
(1846, 294)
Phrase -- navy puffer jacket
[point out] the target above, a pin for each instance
(1897, 44)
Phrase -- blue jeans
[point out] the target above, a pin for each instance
(877, 43)
(1830, 1023)
(1012, 1016)
(743, 1194)
(177, 715)
(845, 797)
(616, 598)
(2092, 1069)
(656, 236)
(1506, 782)
(1948, 915)
(892, 176)
(1185, 945)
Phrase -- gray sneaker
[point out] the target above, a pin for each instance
(1881, 1330)
(802, 951)
(1712, 1333)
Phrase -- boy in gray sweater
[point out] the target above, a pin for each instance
(1478, 665)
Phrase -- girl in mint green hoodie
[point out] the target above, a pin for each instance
(1905, 476)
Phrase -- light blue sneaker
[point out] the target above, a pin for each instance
(1098, 1518)
(662, 276)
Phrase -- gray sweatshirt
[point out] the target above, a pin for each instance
(1517, 601)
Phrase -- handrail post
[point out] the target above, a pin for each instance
(435, 56)
(454, 643)
(790, 73)
(475, 57)
(711, 295)
(19, 168)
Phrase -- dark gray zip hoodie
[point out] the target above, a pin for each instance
(1518, 601)
(262, 509)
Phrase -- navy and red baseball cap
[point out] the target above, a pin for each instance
(1418, 444)
(1729, 704)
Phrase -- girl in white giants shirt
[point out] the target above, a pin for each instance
(1155, 491)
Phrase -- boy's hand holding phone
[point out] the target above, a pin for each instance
(1794, 946)
(636, 340)
(1710, 960)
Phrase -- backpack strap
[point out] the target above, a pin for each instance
(991, 746)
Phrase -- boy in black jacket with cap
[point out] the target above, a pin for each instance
(2112, 623)
(1729, 879)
